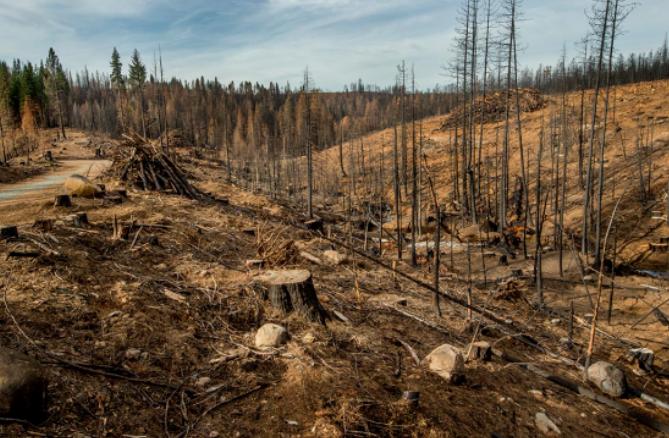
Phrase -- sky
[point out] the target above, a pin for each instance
(340, 41)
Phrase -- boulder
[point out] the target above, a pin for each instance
(446, 361)
(23, 387)
(271, 336)
(545, 424)
(81, 186)
(608, 378)
(335, 257)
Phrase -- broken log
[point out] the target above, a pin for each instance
(293, 291)
(63, 201)
(9, 232)
(19, 254)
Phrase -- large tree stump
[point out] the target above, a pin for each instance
(63, 201)
(293, 291)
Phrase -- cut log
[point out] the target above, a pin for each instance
(63, 201)
(114, 199)
(9, 232)
(293, 291)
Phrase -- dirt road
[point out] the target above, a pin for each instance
(47, 185)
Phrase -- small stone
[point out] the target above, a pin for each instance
(545, 424)
(335, 257)
(214, 434)
(447, 362)
(271, 336)
(203, 381)
(23, 387)
(133, 354)
(309, 338)
(556, 321)
(608, 378)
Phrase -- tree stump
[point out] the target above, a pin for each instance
(97, 153)
(45, 225)
(293, 291)
(79, 220)
(63, 201)
(120, 192)
(9, 232)
(314, 225)
(48, 156)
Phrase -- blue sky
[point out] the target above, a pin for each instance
(274, 40)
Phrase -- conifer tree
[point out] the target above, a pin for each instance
(55, 84)
(136, 79)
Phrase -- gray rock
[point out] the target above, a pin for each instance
(608, 378)
(545, 424)
(446, 361)
(23, 387)
(271, 336)
(133, 354)
(334, 257)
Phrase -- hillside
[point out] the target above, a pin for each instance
(154, 334)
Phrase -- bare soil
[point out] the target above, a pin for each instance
(153, 336)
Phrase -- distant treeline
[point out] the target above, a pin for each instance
(245, 118)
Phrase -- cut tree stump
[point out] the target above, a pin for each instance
(293, 291)
(314, 225)
(79, 220)
(9, 232)
(45, 225)
(63, 201)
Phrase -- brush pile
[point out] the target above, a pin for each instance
(494, 106)
(145, 166)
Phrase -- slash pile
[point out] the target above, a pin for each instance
(494, 106)
(145, 166)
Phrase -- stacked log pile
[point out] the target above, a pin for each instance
(495, 106)
(142, 164)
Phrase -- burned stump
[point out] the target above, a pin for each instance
(314, 225)
(9, 233)
(63, 201)
(293, 291)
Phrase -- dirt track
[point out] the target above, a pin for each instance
(46, 185)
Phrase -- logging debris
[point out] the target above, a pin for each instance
(494, 106)
(144, 165)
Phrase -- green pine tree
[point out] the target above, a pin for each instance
(137, 76)
(117, 70)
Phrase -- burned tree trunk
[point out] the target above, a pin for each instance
(63, 201)
(293, 291)
(9, 232)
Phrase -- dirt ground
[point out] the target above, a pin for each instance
(154, 335)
